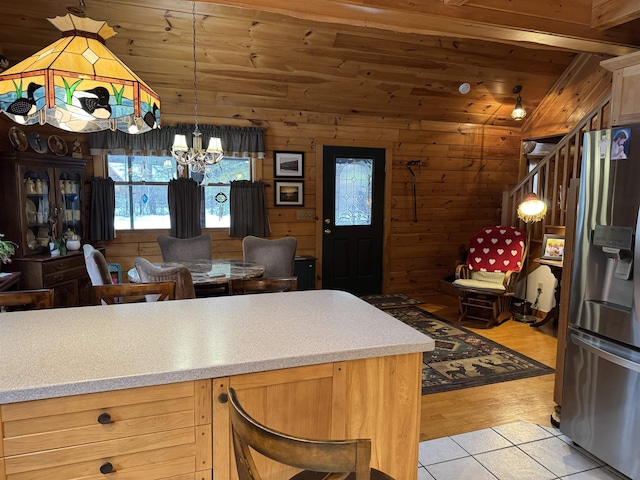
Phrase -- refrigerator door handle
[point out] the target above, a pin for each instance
(636, 257)
(589, 345)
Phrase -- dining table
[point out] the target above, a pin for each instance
(210, 272)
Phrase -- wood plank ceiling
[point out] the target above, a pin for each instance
(396, 59)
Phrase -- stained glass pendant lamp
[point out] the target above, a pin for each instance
(78, 84)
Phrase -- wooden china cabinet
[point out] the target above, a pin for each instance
(40, 192)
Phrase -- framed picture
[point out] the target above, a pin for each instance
(288, 164)
(289, 194)
(620, 143)
(552, 247)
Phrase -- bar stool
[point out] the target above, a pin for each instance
(347, 459)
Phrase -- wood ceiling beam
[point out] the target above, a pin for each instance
(610, 13)
(461, 22)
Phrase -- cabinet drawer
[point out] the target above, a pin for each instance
(97, 417)
(149, 457)
(51, 279)
(63, 263)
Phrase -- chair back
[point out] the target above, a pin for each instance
(180, 249)
(277, 255)
(179, 274)
(497, 249)
(242, 286)
(330, 456)
(27, 299)
(97, 266)
(157, 291)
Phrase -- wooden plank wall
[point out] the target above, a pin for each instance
(463, 170)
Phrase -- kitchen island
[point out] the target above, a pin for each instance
(148, 381)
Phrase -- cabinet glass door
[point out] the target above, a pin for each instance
(36, 187)
(69, 190)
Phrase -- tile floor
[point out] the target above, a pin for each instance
(515, 451)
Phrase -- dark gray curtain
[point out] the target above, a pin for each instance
(184, 208)
(236, 141)
(248, 209)
(102, 209)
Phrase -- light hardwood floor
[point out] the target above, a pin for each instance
(460, 411)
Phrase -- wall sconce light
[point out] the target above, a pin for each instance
(518, 112)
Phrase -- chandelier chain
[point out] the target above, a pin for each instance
(195, 83)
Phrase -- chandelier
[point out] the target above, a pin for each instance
(196, 158)
(77, 84)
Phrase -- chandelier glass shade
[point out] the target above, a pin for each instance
(196, 158)
(532, 209)
(77, 84)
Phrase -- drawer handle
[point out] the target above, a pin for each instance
(223, 398)
(59, 266)
(106, 467)
(58, 278)
(104, 419)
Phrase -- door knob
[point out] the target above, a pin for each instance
(327, 231)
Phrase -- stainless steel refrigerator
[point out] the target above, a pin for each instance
(601, 391)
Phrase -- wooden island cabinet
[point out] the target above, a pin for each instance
(140, 389)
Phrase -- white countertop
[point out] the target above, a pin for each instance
(68, 351)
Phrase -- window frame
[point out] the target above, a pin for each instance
(186, 173)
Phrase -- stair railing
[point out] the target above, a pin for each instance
(551, 177)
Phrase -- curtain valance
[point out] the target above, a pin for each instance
(236, 141)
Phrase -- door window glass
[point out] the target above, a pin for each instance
(354, 187)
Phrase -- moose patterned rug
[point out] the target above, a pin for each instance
(463, 359)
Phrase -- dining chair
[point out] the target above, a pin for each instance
(277, 255)
(148, 272)
(242, 286)
(154, 292)
(27, 299)
(344, 459)
(178, 249)
(97, 266)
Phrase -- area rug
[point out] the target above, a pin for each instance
(463, 359)
(390, 300)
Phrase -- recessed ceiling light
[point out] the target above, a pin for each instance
(464, 88)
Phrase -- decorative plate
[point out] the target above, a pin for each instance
(38, 142)
(57, 145)
(18, 139)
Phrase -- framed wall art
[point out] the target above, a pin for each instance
(289, 194)
(288, 164)
(552, 247)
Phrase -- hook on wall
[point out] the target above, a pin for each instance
(410, 163)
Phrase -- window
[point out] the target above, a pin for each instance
(141, 190)
(217, 187)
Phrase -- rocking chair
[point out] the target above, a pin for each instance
(486, 283)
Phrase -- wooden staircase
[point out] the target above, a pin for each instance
(551, 177)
